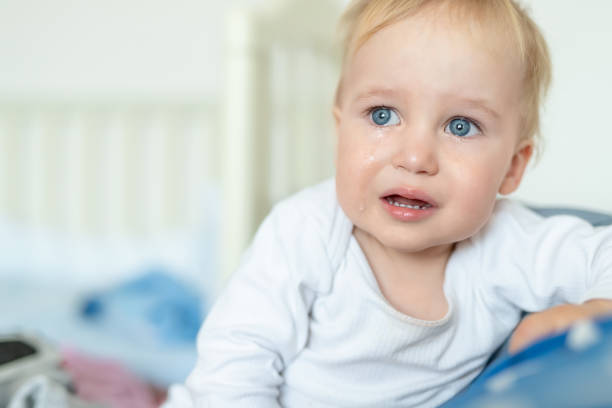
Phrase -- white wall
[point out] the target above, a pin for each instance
(109, 47)
(576, 167)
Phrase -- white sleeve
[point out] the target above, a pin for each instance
(535, 263)
(260, 321)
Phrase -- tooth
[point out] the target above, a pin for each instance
(413, 207)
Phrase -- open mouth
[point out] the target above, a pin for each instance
(412, 203)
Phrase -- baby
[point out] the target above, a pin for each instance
(392, 284)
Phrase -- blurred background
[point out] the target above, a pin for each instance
(141, 143)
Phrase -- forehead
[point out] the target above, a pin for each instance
(447, 51)
(484, 19)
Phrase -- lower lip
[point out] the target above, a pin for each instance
(407, 214)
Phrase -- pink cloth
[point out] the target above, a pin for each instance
(107, 382)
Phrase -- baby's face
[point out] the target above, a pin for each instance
(427, 124)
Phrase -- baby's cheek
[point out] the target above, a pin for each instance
(355, 174)
(475, 194)
(346, 177)
(356, 158)
(382, 152)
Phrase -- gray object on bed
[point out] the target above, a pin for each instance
(31, 375)
(597, 219)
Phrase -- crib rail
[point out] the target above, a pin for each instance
(144, 168)
(282, 70)
(107, 169)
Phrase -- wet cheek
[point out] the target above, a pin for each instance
(360, 149)
(359, 161)
(376, 152)
(349, 172)
(373, 158)
(383, 149)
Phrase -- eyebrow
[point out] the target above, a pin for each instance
(375, 92)
(475, 103)
(482, 105)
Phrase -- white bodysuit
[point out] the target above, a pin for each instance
(302, 323)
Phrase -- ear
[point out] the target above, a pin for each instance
(513, 177)
(337, 114)
(336, 111)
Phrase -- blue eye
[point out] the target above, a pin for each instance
(384, 117)
(462, 127)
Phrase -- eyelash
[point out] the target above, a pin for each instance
(472, 121)
(368, 114)
(371, 109)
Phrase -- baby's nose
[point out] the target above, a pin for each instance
(417, 153)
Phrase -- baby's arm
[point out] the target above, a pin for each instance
(557, 268)
(554, 320)
(258, 325)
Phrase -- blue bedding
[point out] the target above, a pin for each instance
(572, 369)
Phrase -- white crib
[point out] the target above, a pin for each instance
(127, 169)
(282, 72)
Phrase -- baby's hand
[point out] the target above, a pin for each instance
(555, 320)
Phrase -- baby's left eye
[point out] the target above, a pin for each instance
(462, 127)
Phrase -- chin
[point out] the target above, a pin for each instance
(409, 244)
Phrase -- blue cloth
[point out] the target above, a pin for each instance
(550, 373)
(597, 219)
(155, 307)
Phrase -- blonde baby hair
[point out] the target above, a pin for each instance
(363, 18)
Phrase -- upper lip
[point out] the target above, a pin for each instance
(410, 193)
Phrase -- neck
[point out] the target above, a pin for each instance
(424, 268)
(412, 282)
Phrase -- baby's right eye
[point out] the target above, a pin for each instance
(382, 116)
